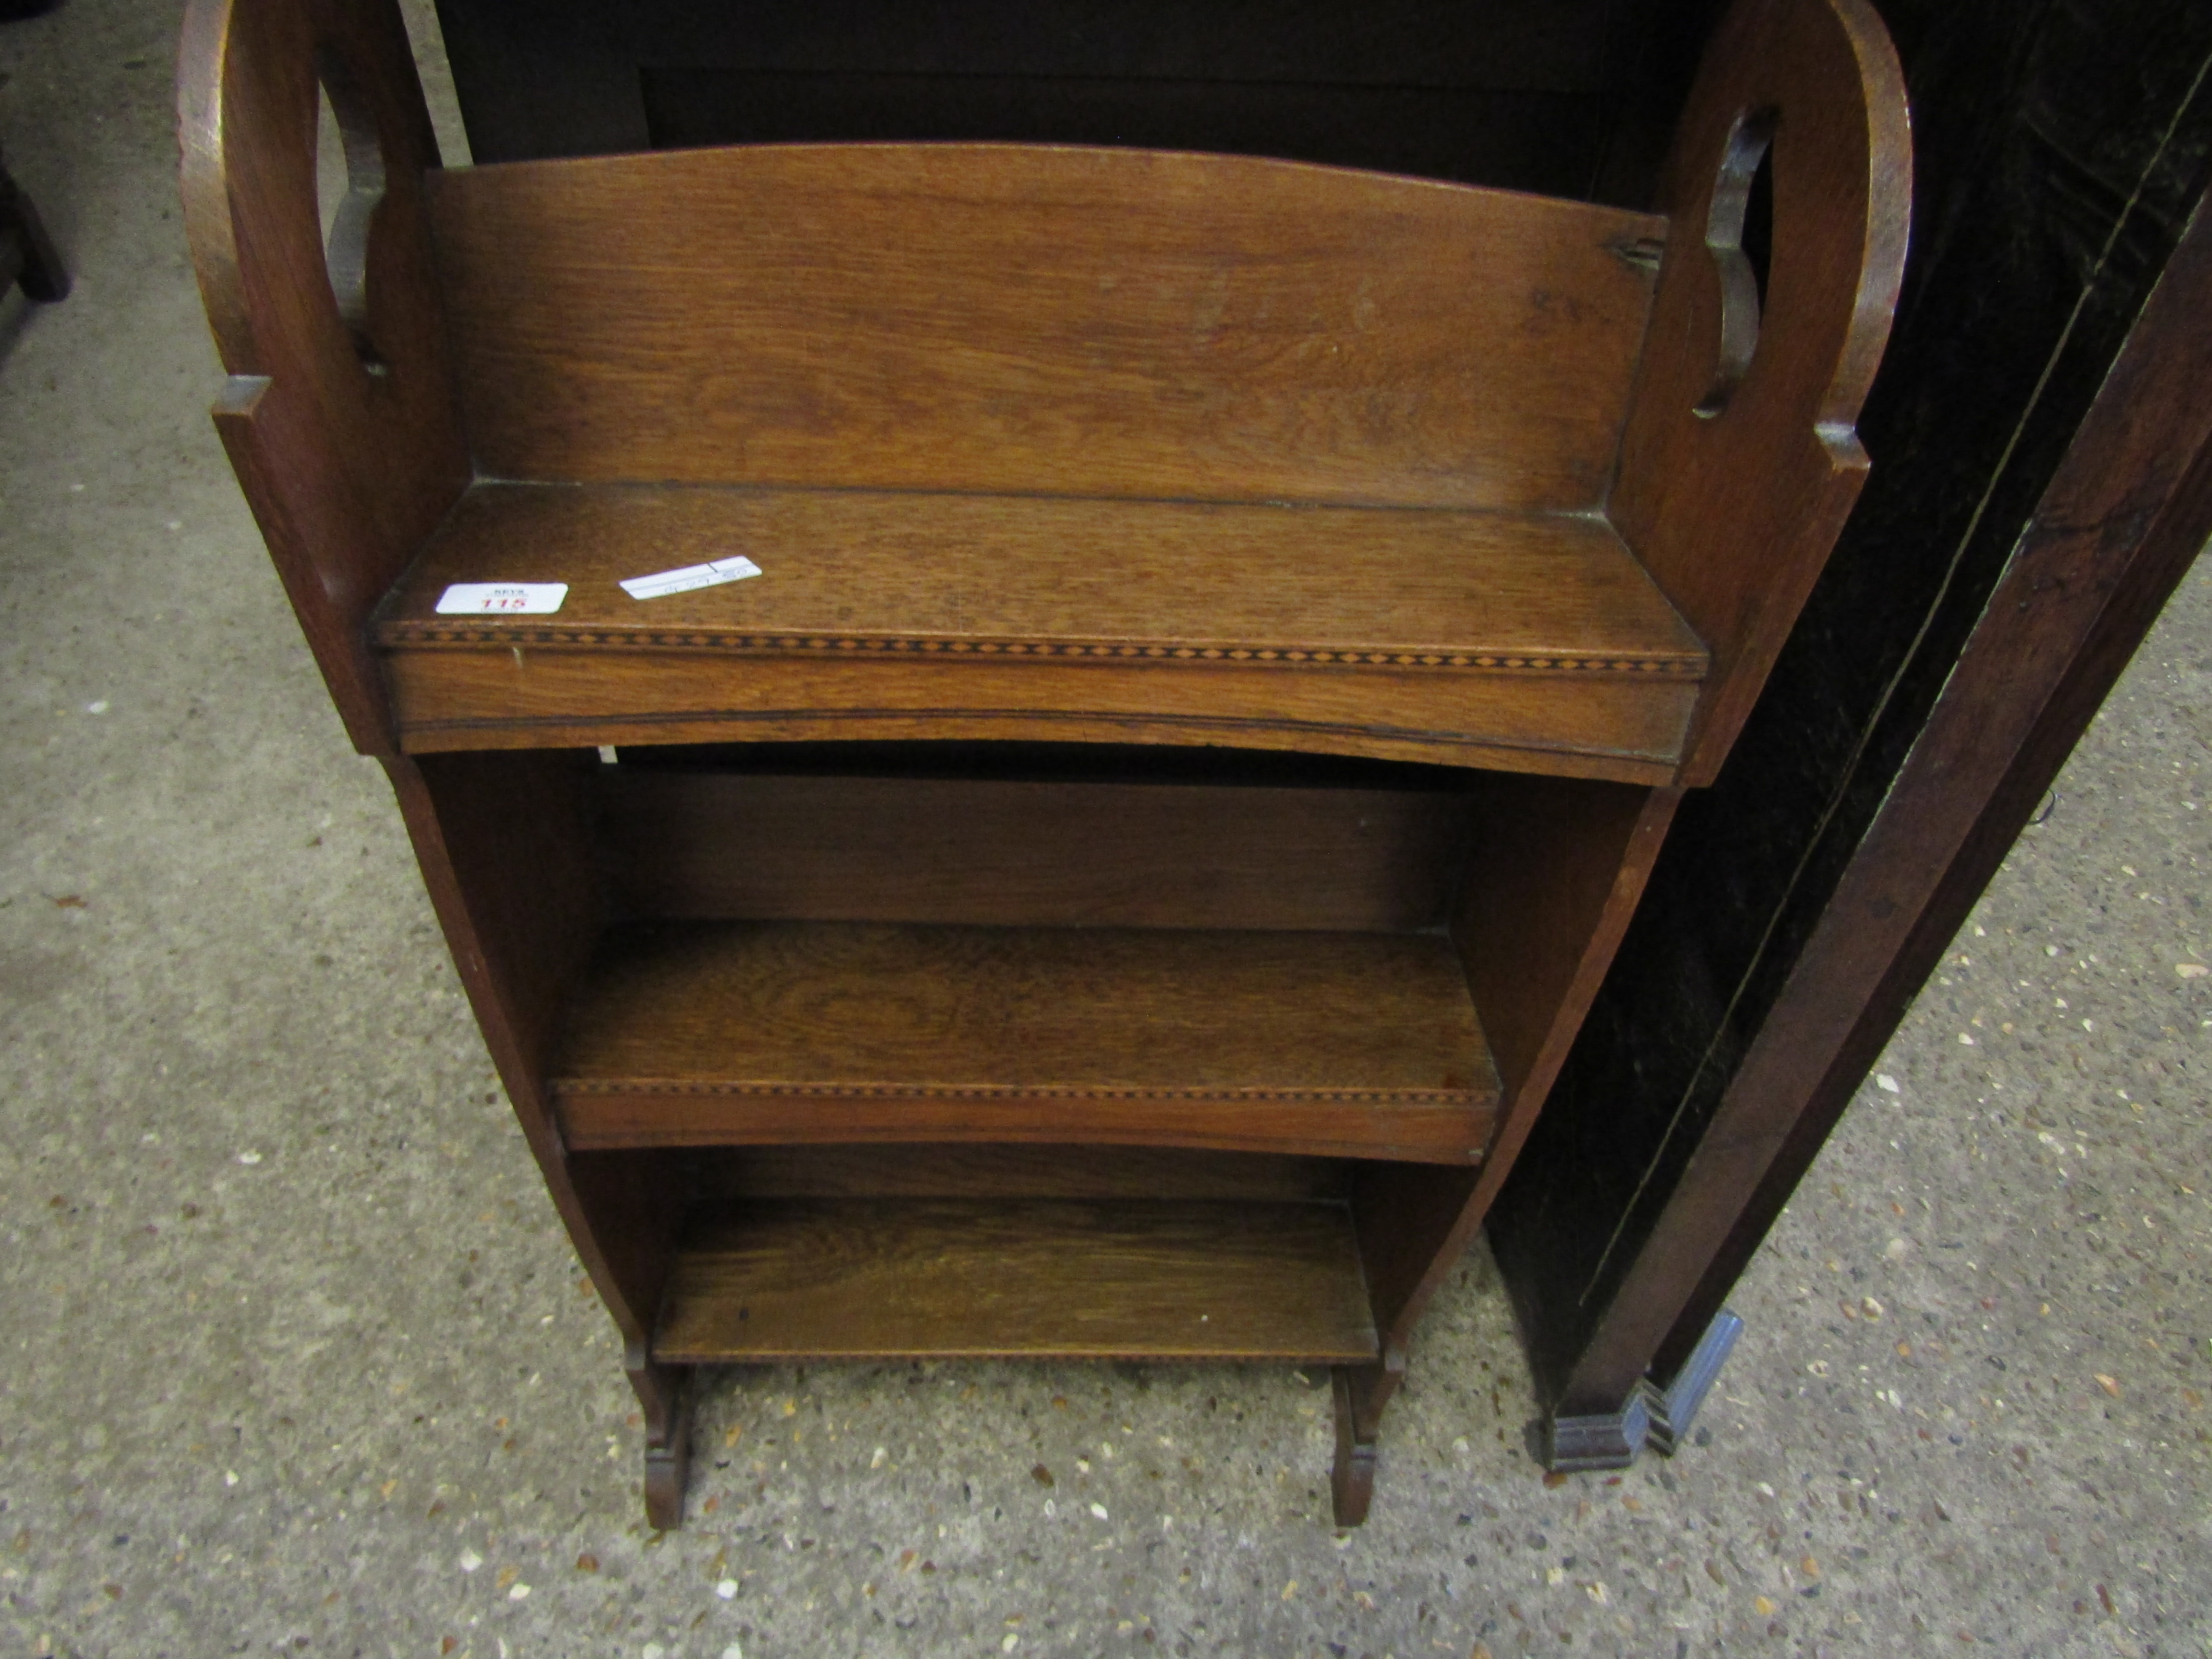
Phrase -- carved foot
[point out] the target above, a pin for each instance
(667, 1468)
(1352, 1481)
(665, 1394)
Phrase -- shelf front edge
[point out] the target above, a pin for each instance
(1446, 1129)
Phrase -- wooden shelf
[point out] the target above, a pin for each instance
(879, 1278)
(729, 1033)
(1415, 633)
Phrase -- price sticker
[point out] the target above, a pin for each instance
(713, 574)
(501, 599)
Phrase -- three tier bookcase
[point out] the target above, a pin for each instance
(1229, 638)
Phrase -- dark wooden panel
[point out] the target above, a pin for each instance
(986, 1171)
(693, 844)
(2123, 520)
(1621, 728)
(1549, 45)
(1547, 143)
(2060, 151)
(1326, 1043)
(1030, 319)
(1048, 762)
(794, 1280)
(1539, 89)
(503, 842)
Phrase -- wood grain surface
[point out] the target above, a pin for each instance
(503, 842)
(1554, 870)
(1327, 1043)
(797, 1279)
(705, 844)
(985, 317)
(1354, 629)
(1373, 1124)
(1072, 579)
(1622, 726)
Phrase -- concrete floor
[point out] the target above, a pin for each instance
(297, 1358)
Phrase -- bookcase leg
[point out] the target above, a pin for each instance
(1597, 1440)
(666, 1393)
(1361, 1393)
(1651, 1415)
(1352, 1481)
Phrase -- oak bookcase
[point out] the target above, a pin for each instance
(1230, 638)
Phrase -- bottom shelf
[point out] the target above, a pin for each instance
(975, 1279)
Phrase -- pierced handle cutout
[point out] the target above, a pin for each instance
(1737, 229)
(346, 221)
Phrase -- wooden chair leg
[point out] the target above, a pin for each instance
(27, 245)
(667, 1395)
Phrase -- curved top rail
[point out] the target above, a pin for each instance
(1739, 462)
(248, 73)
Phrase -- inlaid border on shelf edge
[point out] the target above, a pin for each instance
(1463, 1098)
(417, 635)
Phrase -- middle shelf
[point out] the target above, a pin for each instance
(1341, 1044)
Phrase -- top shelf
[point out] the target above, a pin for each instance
(1074, 445)
(1525, 640)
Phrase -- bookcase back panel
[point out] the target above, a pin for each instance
(682, 844)
(921, 1170)
(1032, 318)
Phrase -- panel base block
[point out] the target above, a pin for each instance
(1653, 1415)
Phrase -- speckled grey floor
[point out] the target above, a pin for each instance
(297, 1360)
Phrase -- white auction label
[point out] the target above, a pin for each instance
(692, 575)
(501, 599)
